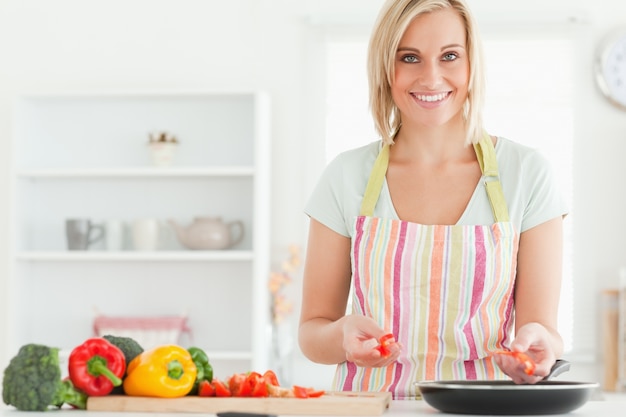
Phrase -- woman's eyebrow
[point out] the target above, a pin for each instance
(453, 45)
(408, 48)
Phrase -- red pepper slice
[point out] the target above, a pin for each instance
(96, 366)
(221, 389)
(303, 392)
(270, 378)
(252, 384)
(384, 342)
(206, 389)
(247, 386)
(313, 393)
(529, 364)
(387, 339)
(235, 384)
(300, 392)
(261, 389)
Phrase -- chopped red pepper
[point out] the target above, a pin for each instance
(221, 389)
(236, 384)
(302, 392)
(384, 343)
(253, 384)
(206, 389)
(529, 364)
(250, 384)
(313, 393)
(96, 366)
(270, 377)
(261, 389)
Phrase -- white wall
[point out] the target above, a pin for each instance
(86, 45)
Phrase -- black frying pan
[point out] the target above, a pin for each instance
(506, 397)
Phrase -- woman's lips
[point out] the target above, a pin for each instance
(431, 100)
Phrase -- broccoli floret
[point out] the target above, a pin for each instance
(131, 349)
(32, 381)
(127, 345)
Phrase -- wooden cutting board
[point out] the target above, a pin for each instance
(332, 403)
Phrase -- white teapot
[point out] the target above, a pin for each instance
(207, 233)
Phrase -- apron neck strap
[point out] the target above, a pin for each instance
(486, 155)
(375, 182)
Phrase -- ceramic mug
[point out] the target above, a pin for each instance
(114, 238)
(145, 234)
(81, 233)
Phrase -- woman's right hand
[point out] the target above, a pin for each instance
(361, 337)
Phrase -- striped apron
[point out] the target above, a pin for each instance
(445, 292)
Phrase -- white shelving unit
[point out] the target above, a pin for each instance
(86, 156)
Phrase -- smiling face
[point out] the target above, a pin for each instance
(432, 70)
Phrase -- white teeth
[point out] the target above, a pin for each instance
(431, 98)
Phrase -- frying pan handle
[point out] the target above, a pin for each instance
(560, 366)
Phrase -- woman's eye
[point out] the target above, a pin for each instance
(450, 56)
(409, 59)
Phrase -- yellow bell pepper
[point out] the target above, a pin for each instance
(166, 371)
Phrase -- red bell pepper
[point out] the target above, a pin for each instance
(96, 366)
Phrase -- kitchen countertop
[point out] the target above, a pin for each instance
(610, 405)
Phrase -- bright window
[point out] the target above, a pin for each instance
(529, 89)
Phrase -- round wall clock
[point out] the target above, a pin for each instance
(610, 68)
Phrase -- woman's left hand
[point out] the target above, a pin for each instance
(533, 339)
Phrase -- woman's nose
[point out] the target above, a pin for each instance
(430, 74)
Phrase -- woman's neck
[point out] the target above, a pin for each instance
(435, 145)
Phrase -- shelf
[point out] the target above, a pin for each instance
(156, 256)
(140, 172)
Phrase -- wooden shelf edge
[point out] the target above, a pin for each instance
(137, 172)
(135, 256)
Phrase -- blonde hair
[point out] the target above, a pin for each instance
(393, 20)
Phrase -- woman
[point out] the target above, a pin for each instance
(446, 237)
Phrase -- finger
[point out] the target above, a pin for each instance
(520, 344)
(394, 349)
(361, 355)
(385, 362)
(511, 367)
(524, 339)
(529, 379)
(373, 358)
(369, 344)
(356, 345)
